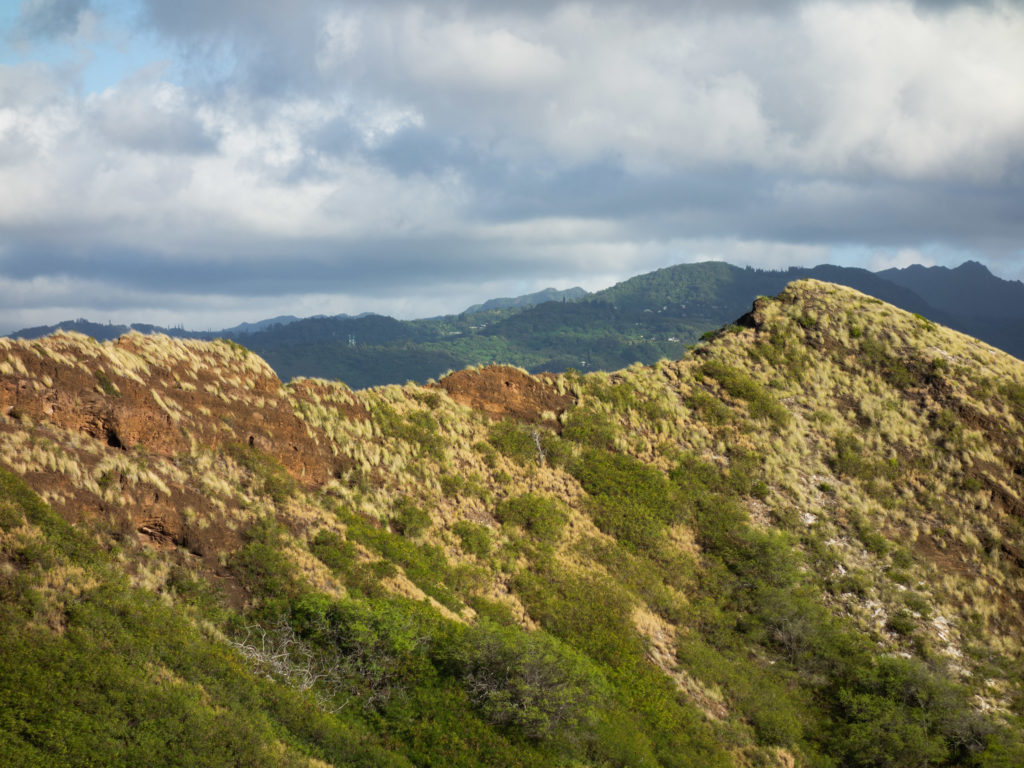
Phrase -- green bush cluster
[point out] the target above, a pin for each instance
(822, 689)
(540, 516)
(590, 428)
(475, 539)
(362, 578)
(464, 485)
(408, 519)
(1013, 393)
(424, 564)
(876, 355)
(711, 409)
(761, 403)
(513, 440)
(262, 567)
(629, 499)
(876, 475)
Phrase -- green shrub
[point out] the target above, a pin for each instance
(872, 540)
(514, 441)
(455, 485)
(10, 515)
(475, 539)
(333, 551)
(591, 613)
(590, 428)
(407, 519)
(418, 428)
(1013, 393)
(629, 499)
(761, 403)
(541, 516)
(493, 611)
(902, 623)
(63, 539)
(424, 564)
(848, 458)
(108, 386)
(262, 567)
(710, 408)
(528, 681)
(891, 368)
(489, 454)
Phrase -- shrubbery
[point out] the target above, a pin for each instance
(270, 477)
(761, 403)
(628, 499)
(540, 516)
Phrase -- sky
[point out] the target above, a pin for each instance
(206, 162)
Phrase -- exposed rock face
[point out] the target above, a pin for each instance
(502, 391)
(119, 393)
(146, 410)
(136, 418)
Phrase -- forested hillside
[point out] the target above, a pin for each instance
(643, 319)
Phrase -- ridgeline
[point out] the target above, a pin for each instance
(802, 544)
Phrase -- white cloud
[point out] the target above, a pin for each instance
(913, 95)
(465, 145)
(145, 113)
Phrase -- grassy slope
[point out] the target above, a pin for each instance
(800, 544)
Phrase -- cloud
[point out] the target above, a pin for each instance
(375, 149)
(145, 114)
(45, 19)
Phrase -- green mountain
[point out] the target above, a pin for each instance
(649, 317)
(529, 300)
(799, 545)
(643, 319)
(973, 299)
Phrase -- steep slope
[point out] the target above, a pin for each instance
(971, 299)
(800, 545)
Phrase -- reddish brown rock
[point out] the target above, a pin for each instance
(501, 391)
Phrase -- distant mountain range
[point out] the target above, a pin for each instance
(645, 318)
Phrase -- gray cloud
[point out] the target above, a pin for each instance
(147, 115)
(44, 19)
(375, 150)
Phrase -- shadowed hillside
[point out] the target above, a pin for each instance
(800, 545)
(642, 319)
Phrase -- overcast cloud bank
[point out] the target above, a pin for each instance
(303, 158)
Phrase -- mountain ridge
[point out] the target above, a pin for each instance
(640, 319)
(798, 545)
(527, 300)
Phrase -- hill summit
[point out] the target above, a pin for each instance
(799, 545)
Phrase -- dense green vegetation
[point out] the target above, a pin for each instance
(642, 319)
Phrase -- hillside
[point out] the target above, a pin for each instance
(800, 545)
(643, 319)
(527, 300)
